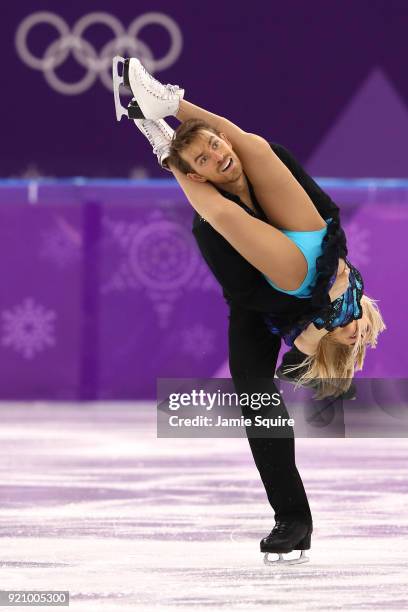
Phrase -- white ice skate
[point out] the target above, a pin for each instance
(159, 134)
(152, 99)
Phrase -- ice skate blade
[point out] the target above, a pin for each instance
(282, 561)
(117, 82)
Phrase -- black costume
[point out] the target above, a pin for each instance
(253, 349)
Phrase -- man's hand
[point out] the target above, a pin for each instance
(340, 285)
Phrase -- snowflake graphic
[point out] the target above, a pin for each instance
(28, 328)
(198, 341)
(155, 255)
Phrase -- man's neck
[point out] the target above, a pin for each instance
(239, 187)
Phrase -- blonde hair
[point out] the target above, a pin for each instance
(331, 369)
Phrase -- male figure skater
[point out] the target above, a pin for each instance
(253, 354)
(253, 350)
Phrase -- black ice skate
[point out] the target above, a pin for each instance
(287, 535)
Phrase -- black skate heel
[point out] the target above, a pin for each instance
(304, 544)
(122, 79)
(134, 110)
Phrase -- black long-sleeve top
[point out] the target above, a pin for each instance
(243, 285)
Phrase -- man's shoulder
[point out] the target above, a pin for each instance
(279, 149)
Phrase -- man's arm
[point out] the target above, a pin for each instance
(309, 339)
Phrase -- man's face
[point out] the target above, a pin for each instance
(212, 159)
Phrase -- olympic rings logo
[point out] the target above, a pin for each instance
(125, 43)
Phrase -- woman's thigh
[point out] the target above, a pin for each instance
(260, 243)
(265, 247)
(288, 204)
(283, 199)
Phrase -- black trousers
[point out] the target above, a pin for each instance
(253, 353)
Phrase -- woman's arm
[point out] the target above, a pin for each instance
(309, 339)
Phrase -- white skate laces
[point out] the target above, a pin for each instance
(159, 134)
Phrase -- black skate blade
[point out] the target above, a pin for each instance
(134, 110)
(126, 81)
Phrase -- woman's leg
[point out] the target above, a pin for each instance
(264, 246)
(283, 200)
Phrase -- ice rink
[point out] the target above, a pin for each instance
(94, 503)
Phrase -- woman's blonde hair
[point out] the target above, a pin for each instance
(331, 369)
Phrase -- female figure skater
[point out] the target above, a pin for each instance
(207, 155)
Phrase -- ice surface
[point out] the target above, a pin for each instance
(92, 502)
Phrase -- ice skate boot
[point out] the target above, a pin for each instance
(152, 99)
(287, 535)
(159, 134)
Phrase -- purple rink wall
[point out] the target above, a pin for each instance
(104, 289)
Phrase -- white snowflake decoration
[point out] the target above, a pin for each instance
(198, 341)
(158, 256)
(28, 328)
